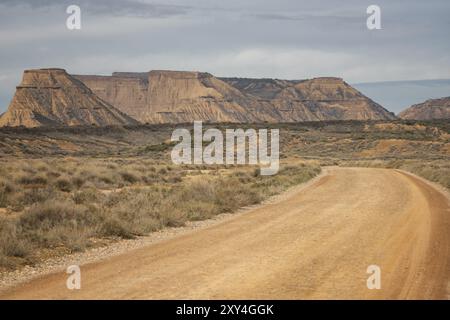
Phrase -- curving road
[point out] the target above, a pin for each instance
(315, 243)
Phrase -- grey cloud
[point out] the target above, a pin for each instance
(130, 8)
(260, 38)
(344, 17)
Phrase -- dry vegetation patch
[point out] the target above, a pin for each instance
(437, 171)
(67, 204)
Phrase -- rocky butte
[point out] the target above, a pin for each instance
(428, 110)
(180, 96)
(51, 96)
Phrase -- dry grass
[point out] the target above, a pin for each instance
(437, 171)
(28, 181)
(125, 191)
(69, 203)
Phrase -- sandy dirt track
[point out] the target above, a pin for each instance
(316, 243)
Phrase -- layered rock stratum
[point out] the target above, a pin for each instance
(326, 98)
(431, 109)
(52, 97)
(179, 96)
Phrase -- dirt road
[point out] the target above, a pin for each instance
(316, 243)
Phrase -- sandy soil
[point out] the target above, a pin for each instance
(314, 243)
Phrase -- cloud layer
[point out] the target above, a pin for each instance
(254, 38)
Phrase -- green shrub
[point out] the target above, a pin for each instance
(85, 196)
(10, 242)
(64, 184)
(129, 177)
(65, 209)
(78, 181)
(33, 179)
(6, 189)
(49, 223)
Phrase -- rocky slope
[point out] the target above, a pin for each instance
(177, 96)
(51, 97)
(324, 98)
(172, 96)
(428, 110)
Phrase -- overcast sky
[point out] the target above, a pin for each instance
(289, 39)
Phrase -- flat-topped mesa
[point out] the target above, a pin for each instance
(316, 89)
(171, 96)
(139, 75)
(180, 74)
(42, 78)
(162, 96)
(52, 97)
(324, 98)
(327, 88)
(323, 80)
(431, 109)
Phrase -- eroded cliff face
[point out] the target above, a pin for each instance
(429, 110)
(325, 98)
(51, 97)
(172, 96)
(178, 96)
(126, 91)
